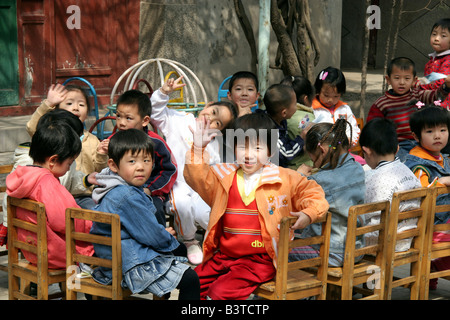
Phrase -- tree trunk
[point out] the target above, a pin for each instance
(365, 59)
(248, 32)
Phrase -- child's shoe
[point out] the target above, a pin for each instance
(194, 252)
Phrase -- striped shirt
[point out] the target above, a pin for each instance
(394, 107)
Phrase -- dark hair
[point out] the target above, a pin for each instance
(62, 116)
(333, 135)
(302, 87)
(258, 122)
(380, 135)
(277, 98)
(137, 98)
(72, 87)
(334, 77)
(428, 116)
(443, 23)
(243, 75)
(133, 140)
(403, 63)
(54, 138)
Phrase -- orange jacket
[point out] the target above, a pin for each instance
(279, 192)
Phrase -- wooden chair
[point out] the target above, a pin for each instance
(343, 281)
(89, 285)
(20, 271)
(4, 170)
(434, 250)
(293, 280)
(412, 257)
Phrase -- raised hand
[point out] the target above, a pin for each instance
(203, 134)
(56, 94)
(171, 85)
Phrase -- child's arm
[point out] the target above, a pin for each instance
(374, 112)
(56, 94)
(444, 69)
(430, 96)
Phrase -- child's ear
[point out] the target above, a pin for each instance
(112, 165)
(367, 150)
(145, 121)
(415, 137)
(52, 160)
(388, 79)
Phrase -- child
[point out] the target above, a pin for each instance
(151, 256)
(248, 199)
(440, 59)
(342, 180)
(184, 203)
(133, 111)
(429, 126)
(303, 117)
(379, 144)
(393, 105)
(54, 147)
(330, 85)
(243, 91)
(281, 104)
(72, 98)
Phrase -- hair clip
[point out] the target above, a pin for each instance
(419, 104)
(437, 103)
(323, 75)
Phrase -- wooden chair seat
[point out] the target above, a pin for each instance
(297, 280)
(359, 272)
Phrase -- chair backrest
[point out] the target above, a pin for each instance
(285, 245)
(4, 170)
(439, 232)
(114, 291)
(222, 92)
(417, 234)
(356, 230)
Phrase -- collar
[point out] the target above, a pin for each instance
(420, 152)
(316, 104)
(434, 55)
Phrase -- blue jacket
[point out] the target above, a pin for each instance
(344, 187)
(143, 238)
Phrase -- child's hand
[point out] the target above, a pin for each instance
(444, 180)
(304, 169)
(171, 231)
(92, 178)
(103, 146)
(171, 85)
(303, 220)
(203, 133)
(56, 94)
(447, 81)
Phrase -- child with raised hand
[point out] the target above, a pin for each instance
(240, 249)
(342, 180)
(54, 147)
(184, 203)
(379, 144)
(151, 256)
(72, 98)
(440, 59)
(243, 91)
(302, 118)
(281, 104)
(395, 103)
(330, 85)
(133, 111)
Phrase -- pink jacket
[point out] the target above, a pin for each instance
(40, 184)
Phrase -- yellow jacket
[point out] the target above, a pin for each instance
(279, 192)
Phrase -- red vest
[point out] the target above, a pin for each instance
(241, 228)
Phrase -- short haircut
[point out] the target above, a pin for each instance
(54, 138)
(380, 135)
(443, 23)
(133, 140)
(72, 87)
(302, 87)
(62, 116)
(277, 98)
(243, 75)
(332, 76)
(428, 117)
(260, 122)
(137, 98)
(403, 63)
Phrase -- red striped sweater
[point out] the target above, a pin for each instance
(394, 107)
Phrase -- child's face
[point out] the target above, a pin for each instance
(329, 96)
(318, 155)
(76, 103)
(440, 39)
(400, 80)
(434, 139)
(59, 168)
(252, 155)
(218, 115)
(135, 169)
(243, 92)
(127, 117)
